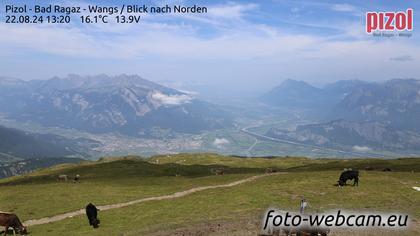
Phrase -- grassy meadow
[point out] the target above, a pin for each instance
(118, 180)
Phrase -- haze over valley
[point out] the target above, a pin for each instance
(92, 116)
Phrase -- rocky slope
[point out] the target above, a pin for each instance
(122, 104)
(360, 136)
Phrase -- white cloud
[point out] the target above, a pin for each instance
(61, 40)
(171, 99)
(231, 11)
(361, 148)
(192, 93)
(258, 41)
(344, 7)
(220, 142)
(220, 16)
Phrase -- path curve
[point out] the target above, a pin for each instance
(63, 216)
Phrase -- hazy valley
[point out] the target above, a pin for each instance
(94, 116)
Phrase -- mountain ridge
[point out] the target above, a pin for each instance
(127, 104)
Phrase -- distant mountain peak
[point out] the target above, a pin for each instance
(291, 83)
(10, 81)
(123, 103)
(293, 94)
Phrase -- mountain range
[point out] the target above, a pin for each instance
(394, 102)
(295, 94)
(353, 113)
(124, 104)
(360, 136)
(348, 113)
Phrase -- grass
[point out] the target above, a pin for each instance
(102, 183)
(39, 195)
(237, 162)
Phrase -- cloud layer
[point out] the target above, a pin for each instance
(171, 99)
(220, 142)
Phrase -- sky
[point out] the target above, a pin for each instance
(236, 47)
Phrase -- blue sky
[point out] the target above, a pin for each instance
(237, 46)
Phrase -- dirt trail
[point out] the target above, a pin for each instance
(63, 216)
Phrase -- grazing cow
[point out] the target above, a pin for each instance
(270, 170)
(387, 169)
(62, 178)
(92, 215)
(219, 172)
(349, 175)
(11, 220)
(76, 179)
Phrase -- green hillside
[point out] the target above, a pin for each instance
(235, 210)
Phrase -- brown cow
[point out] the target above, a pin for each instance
(219, 172)
(11, 220)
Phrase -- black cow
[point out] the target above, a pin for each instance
(92, 215)
(349, 175)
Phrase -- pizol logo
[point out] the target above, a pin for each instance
(389, 21)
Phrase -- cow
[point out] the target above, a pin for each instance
(270, 170)
(76, 179)
(219, 172)
(62, 178)
(11, 220)
(349, 175)
(92, 215)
